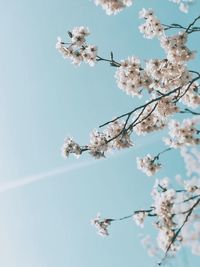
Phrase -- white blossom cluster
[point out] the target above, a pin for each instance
(166, 107)
(183, 4)
(190, 233)
(131, 78)
(152, 26)
(171, 72)
(78, 50)
(174, 209)
(113, 7)
(98, 144)
(158, 74)
(175, 47)
(182, 133)
(101, 225)
(148, 122)
(191, 98)
(148, 165)
(111, 138)
(163, 204)
(139, 217)
(166, 75)
(161, 75)
(120, 139)
(69, 146)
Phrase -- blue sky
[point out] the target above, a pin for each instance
(45, 98)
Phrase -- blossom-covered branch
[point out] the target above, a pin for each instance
(103, 224)
(170, 88)
(117, 134)
(176, 233)
(169, 83)
(171, 210)
(78, 50)
(150, 164)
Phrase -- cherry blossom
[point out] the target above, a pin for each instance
(113, 6)
(175, 216)
(101, 225)
(181, 134)
(131, 78)
(152, 26)
(69, 146)
(148, 165)
(183, 4)
(139, 218)
(77, 50)
(169, 88)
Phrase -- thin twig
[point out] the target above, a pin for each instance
(190, 25)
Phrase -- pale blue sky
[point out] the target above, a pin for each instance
(43, 99)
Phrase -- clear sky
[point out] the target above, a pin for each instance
(45, 98)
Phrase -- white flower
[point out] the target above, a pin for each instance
(69, 146)
(149, 121)
(166, 75)
(152, 26)
(182, 133)
(78, 50)
(89, 54)
(113, 6)
(148, 165)
(116, 131)
(131, 78)
(139, 217)
(191, 98)
(175, 47)
(166, 106)
(98, 144)
(80, 31)
(101, 225)
(146, 13)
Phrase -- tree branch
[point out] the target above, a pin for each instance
(179, 230)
